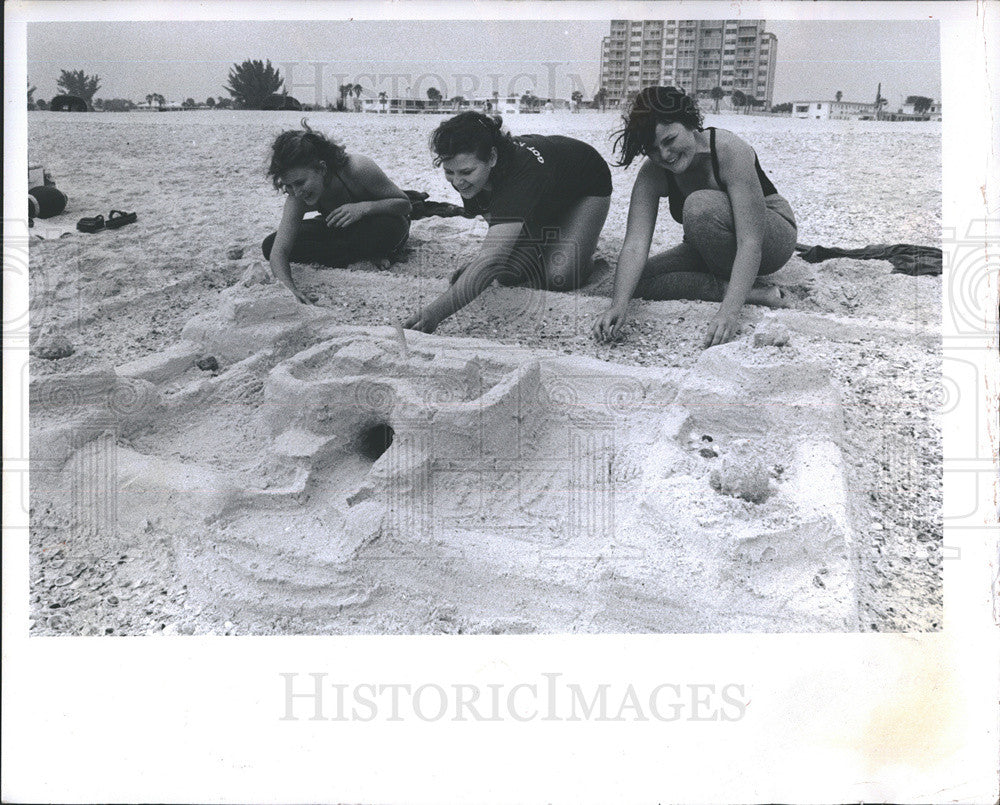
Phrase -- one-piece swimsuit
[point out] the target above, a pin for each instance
(677, 197)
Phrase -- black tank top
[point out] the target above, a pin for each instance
(350, 195)
(677, 198)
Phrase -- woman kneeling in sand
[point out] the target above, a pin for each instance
(736, 226)
(544, 197)
(362, 214)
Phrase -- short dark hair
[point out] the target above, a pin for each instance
(653, 105)
(300, 148)
(470, 133)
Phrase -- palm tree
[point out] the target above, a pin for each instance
(383, 99)
(74, 82)
(920, 103)
(456, 102)
(434, 96)
(879, 102)
(717, 94)
(602, 98)
(739, 99)
(344, 90)
(839, 95)
(159, 100)
(253, 82)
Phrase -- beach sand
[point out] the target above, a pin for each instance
(197, 183)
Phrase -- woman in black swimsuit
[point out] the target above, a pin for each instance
(362, 214)
(736, 226)
(545, 198)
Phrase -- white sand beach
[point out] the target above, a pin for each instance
(849, 537)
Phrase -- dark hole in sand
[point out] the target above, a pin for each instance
(376, 440)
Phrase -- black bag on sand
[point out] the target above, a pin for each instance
(45, 201)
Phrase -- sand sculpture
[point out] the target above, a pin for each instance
(334, 475)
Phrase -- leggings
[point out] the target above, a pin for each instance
(373, 237)
(698, 266)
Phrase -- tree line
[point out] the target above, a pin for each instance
(253, 84)
(256, 84)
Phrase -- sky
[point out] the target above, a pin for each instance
(460, 57)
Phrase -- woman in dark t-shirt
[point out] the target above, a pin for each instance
(545, 198)
(736, 225)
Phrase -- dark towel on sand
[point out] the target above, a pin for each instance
(422, 208)
(905, 257)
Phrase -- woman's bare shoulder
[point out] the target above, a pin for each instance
(360, 166)
(294, 208)
(732, 146)
(652, 176)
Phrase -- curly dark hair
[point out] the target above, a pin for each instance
(651, 106)
(470, 133)
(300, 148)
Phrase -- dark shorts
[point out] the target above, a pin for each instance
(372, 238)
(592, 177)
(589, 176)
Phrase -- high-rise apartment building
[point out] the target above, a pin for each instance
(695, 55)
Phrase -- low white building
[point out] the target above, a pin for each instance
(510, 105)
(833, 110)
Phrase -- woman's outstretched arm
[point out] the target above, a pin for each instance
(489, 263)
(739, 175)
(281, 250)
(642, 211)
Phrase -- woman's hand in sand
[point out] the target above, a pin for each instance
(303, 297)
(610, 322)
(347, 214)
(420, 322)
(722, 328)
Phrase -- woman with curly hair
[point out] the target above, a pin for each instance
(362, 214)
(736, 226)
(545, 198)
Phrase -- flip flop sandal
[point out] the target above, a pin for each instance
(118, 218)
(94, 224)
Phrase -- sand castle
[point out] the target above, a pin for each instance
(324, 473)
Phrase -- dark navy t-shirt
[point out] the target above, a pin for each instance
(541, 178)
